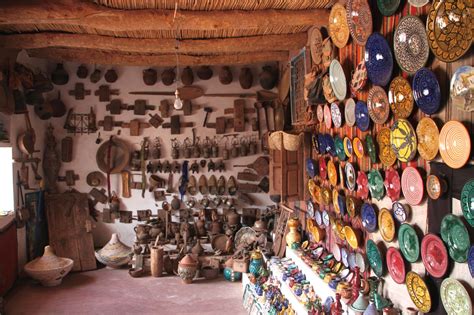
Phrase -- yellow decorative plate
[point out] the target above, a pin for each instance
(332, 173)
(338, 27)
(427, 134)
(351, 206)
(338, 229)
(341, 174)
(358, 147)
(386, 225)
(418, 291)
(386, 154)
(335, 197)
(315, 191)
(403, 140)
(400, 97)
(318, 233)
(326, 196)
(351, 237)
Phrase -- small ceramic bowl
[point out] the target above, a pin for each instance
(348, 146)
(358, 147)
(400, 211)
(436, 186)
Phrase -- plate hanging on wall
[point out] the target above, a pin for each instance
(378, 60)
(426, 91)
(359, 18)
(338, 27)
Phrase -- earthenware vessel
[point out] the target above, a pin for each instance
(293, 235)
(115, 253)
(49, 269)
(187, 269)
(231, 275)
(256, 262)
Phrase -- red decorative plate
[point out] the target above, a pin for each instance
(362, 185)
(327, 116)
(392, 184)
(434, 255)
(323, 172)
(395, 265)
(412, 186)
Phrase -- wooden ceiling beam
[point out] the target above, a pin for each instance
(85, 16)
(154, 46)
(91, 56)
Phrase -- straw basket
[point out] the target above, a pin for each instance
(291, 142)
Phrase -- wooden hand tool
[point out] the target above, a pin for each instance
(140, 107)
(221, 125)
(165, 109)
(126, 193)
(79, 91)
(116, 106)
(66, 149)
(239, 112)
(135, 126)
(207, 110)
(108, 123)
(70, 178)
(155, 120)
(189, 107)
(98, 195)
(175, 124)
(104, 92)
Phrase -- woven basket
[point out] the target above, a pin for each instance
(274, 140)
(291, 142)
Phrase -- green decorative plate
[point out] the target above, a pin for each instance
(467, 201)
(369, 143)
(455, 298)
(374, 257)
(339, 144)
(376, 187)
(408, 242)
(388, 7)
(456, 237)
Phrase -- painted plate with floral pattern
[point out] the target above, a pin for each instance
(400, 97)
(332, 173)
(348, 146)
(377, 103)
(400, 211)
(403, 140)
(455, 298)
(359, 78)
(362, 116)
(427, 134)
(376, 186)
(418, 291)
(386, 154)
(434, 255)
(338, 27)
(350, 176)
(392, 184)
(388, 7)
(336, 115)
(359, 18)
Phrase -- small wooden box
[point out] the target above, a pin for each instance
(241, 265)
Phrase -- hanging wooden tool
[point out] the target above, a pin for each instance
(126, 192)
(135, 126)
(70, 178)
(155, 120)
(239, 112)
(140, 107)
(221, 125)
(26, 140)
(189, 107)
(165, 109)
(108, 123)
(104, 92)
(98, 195)
(142, 164)
(175, 124)
(79, 91)
(116, 106)
(79, 123)
(260, 165)
(66, 149)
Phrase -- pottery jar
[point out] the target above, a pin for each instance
(256, 262)
(231, 275)
(233, 218)
(142, 232)
(187, 269)
(293, 236)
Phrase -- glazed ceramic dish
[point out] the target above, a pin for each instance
(456, 237)
(454, 144)
(461, 87)
(395, 265)
(386, 225)
(371, 151)
(426, 91)
(360, 262)
(350, 176)
(470, 261)
(326, 196)
(362, 116)
(338, 27)
(358, 147)
(378, 60)
(335, 201)
(330, 146)
(376, 186)
(327, 116)
(348, 147)
(323, 173)
(410, 44)
(434, 255)
(332, 173)
(341, 175)
(403, 140)
(359, 18)
(351, 206)
(455, 298)
(351, 237)
(341, 205)
(338, 80)
(400, 97)
(427, 134)
(388, 7)
(377, 103)
(315, 43)
(310, 208)
(311, 167)
(375, 258)
(320, 113)
(452, 38)
(418, 291)
(336, 115)
(412, 186)
(400, 212)
(467, 201)
(409, 243)
(392, 184)
(349, 112)
(369, 217)
(435, 186)
(339, 145)
(362, 185)
(386, 154)
(418, 3)
(359, 78)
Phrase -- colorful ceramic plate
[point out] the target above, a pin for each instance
(412, 186)
(335, 201)
(326, 196)
(377, 103)
(349, 112)
(332, 173)
(386, 154)
(418, 291)
(408, 242)
(350, 176)
(318, 217)
(320, 113)
(378, 60)
(358, 147)
(323, 173)
(338, 27)
(360, 262)
(395, 265)
(351, 206)
(336, 115)
(339, 145)
(410, 44)
(338, 229)
(330, 146)
(400, 211)
(315, 43)
(470, 261)
(376, 186)
(351, 260)
(418, 3)
(454, 144)
(338, 80)
(351, 237)
(449, 28)
(400, 97)
(359, 18)
(326, 218)
(315, 143)
(348, 147)
(327, 116)
(374, 257)
(455, 298)
(344, 256)
(392, 184)
(388, 7)
(311, 167)
(359, 78)
(426, 91)
(362, 116)
(341, 175)
(427, 134)
(362, 185)
(435, 186)
(467, 201)
(371, 150)
(386, 225)
(369, 217)
(434, 255)
(403, 140)
(456, 237)
(461, 87)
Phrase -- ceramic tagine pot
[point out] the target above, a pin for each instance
(49, 269)
(256, 262)
(115, 253)
(187, 269)
(293, 238)
(229, 273)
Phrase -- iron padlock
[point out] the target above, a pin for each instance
(187, 148)
(197, 149)
(234, 152)
(244, 150)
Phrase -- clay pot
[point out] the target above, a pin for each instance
(111, 76)
(168, 76)
(268, 77)
(225, 75)
(187, 76)
(246, 78)
(142, 232)
(209, 272)
(95, 76)
(233, 218)
(150, 76)
(204, 72)
(49, 269)
(187, 269)
(115, 253)
(34, 97)
(82, 72)
(197, 249)
(44, 111)
(60, 75)
(58, 107)
(293, 235)
(201, 228)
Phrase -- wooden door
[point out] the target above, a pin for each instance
(69, 228)
(286, 174)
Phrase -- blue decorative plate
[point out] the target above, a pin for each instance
(362, 116)
(470, 261)
(311, 167)
(426, 91)
(327, 304)
(378, 60)
(321, 143)
(369, 217)
(341, 201)
(330, 146)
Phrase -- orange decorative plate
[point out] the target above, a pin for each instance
(338, 229)
(386, 225)
(338, 27)
(454, 144)
(335, 203)
(400, 97)
(332, 173)
(386, 154)
(377, 104)
(351, 237)
(427, 134)
(358, 147)
(326, 196)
